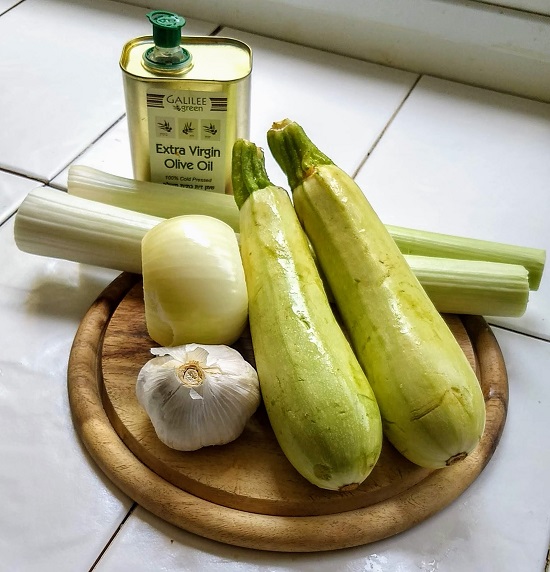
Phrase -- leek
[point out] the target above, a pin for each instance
(166, 201)
(481, 287)
(58, 225)
(55, 224)
(425, 243)
(151, 198)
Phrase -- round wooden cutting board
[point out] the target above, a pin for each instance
(246, 493)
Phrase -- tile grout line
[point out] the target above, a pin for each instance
(11, 7)
(113, 536)
(22, 175)
(75, 158)
(522, 11)
(386, 127)
(512, 331)
(47, 181)
(216, 30)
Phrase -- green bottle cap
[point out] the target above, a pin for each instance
(167, 55)
(166, 28)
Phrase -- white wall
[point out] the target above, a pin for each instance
(468, 41)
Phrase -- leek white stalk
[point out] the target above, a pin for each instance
(193, 282)
(151, 198)
(52, 223)
(165, 201)
(196, 396)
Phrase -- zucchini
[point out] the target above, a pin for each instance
(432, 406)
(318, 400)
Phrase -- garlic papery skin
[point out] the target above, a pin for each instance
(198, 395)
(194, 287)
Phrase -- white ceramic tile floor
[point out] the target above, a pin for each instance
(344, 104)
(13, 189)
(470, 162)
(447, 141)
(6, 5)
(110, 153)
(58, 510)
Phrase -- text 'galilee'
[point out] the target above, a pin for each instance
(186, 100)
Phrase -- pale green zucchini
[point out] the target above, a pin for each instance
(431, 403)
(319, 402)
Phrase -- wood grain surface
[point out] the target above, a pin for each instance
(246, 493)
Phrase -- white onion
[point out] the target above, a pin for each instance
(193, 282)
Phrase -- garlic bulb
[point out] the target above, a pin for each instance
(198, 395)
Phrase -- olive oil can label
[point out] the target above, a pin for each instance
(187, 138)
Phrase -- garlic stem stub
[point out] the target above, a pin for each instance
(198, 395)
(193, 282)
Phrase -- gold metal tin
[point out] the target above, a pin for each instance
(182, 126)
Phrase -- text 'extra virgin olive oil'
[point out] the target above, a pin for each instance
(187, 101)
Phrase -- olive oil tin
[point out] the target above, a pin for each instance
(187, 101)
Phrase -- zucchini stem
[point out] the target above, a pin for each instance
(248, 170)
(294, 151)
